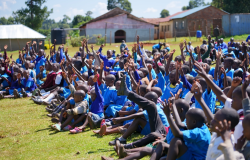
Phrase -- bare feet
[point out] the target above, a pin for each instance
(103, 130)
(116, 120)
(96, 131)
(122, 151)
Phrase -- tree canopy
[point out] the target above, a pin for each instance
(233, 6)
(164, 13)
(123, 4)
(33, 15)
(194, 3)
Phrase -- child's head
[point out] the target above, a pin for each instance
(186, 69)
(143, 90)
(182, 107)
(79, 96)
(41, 68)
(82, 87)
(121, 63)
(26, 74)
(195, 118)
(238, 73)
(236, 64)
(91, 56)
(55, 67)
(2, 70)
(228, 62)
(14, 76)
(47, 66)
(172, 66)
(237, 97)
(246, 126)
(90, 80)
(226, 113)
(152, 96)
(208, 61)
(229, 81)
(202, 82)
(109, 53)
(157, 90)
(40, 53)
(117, 85)
(85, 76)
(27, 64)
(172, 78)
(110, 80)
(21, 70)
(144, 71)
(78, 64)
(202, 50)
(178, 59)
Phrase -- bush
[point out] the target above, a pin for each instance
(99, 39)
(76, 41)
(45, 32)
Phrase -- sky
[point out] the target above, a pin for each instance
(140, 8)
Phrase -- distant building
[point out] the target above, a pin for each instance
(203, 18)
(16, 36)
(118, 25)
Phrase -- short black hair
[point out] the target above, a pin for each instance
(237, 91)
(238, 73)
(152, 96)
(230, 115)
(198, 115)
(182, 104)
(111, 76)
(230, 59)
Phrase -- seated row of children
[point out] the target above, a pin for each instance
(171, 101)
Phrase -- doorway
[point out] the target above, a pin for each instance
(119, 36)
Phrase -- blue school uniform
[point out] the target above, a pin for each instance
(156, 46)
(209, 99)
(153, 74)
(15, 85)
(170, 88)
(166, 77)
(170, 135)
(197, 141)
(38, 81)
(193, 73)
(5, 83)
(28, 83)
(84, 69)
(229, 74)
(107, 62)
(97, 106)
(211, 71)
(19, 61)
(40, 62)
(161, 81)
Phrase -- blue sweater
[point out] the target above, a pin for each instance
(97, 105)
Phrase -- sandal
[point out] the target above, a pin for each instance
(75, 130)
(56, 127)
(67, 128)
(102, 123)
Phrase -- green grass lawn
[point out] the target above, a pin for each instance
(25, 133)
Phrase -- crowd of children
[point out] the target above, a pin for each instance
(185, 108)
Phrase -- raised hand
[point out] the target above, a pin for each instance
(5, 47)
(74, 77)
(102, 66)
(126, 66)
(177, 95)
(150, 67)
(64, 75)
(224, 128)
(200, 70)
(196, 89)
(19, 75)
(223, 70)
(236, 81)
(181, 46)
(155, 81)
(92, 47)
(95, 78)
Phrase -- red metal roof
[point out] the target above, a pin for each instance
(158, 20)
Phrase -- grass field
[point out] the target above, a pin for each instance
(25, 129)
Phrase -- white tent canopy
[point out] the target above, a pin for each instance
(19, 31)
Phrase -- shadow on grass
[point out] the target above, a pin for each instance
(96, 135)
(44, 129)
(99, 150)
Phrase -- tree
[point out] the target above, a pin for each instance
(65, 19)
(89, 13)
(164, 13)
(33, 15)
(3, 21)
(77, 19)
(11, 20)
(194, 3)
(233, 6)
(123, 4)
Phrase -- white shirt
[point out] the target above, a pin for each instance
(58, 78)
(238, 128)
(189, 47)
(213, 153)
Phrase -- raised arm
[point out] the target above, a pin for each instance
(168, 62)
(217, 91)
(182, 55)
(176, 115)
(235, 83)
(208, 50)
(197, 91)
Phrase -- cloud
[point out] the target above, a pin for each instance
(101, 8)
(174, 4)
(151, 10)
(4, 6)
(74, 11)
(57, 6)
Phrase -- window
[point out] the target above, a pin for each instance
(176, 24)
(162, 28)
(155, 31)
(183, 24)
(168, 27)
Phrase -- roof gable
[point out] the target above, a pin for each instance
(19, 31)
(194, 10)
(114, 12)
